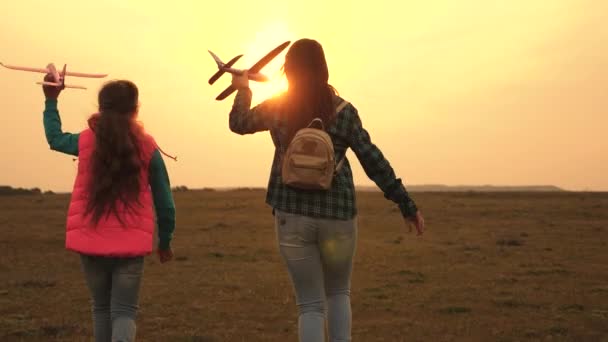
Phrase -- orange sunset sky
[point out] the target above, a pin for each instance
(453, 92)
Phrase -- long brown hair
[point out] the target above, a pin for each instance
(116, 161)
(309, 94)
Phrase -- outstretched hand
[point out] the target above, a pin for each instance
(417, 222)
(240, 81)
(165, 255)
(51, 92)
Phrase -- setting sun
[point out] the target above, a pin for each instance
(265, 40)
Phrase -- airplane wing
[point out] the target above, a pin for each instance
(81, 74)
(220, 72)
(14, 67)
(226, 93)
(256, 68)
(269, 57)
(45, 70)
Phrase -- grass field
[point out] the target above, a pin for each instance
(491, 267)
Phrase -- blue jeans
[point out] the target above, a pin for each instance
(114, 285)
(319, 257)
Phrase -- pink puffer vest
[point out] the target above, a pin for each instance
(110, 237)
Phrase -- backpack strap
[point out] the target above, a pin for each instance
(341, 162)
(317, 121)
(339, 165)
(341, 106)
(320, 121)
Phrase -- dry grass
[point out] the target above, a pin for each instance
(492, 267)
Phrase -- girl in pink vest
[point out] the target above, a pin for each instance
(121, 192)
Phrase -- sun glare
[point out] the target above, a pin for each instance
(264, 41)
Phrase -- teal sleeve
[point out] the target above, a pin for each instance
(163, 200)
(57, 139)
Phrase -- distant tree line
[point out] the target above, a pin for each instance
(10, 191)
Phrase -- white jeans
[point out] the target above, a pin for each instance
(319, 257)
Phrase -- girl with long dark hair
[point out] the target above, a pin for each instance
(121, 192)
(317, 229)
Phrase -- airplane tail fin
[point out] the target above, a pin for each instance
(74, 86)
(63, 73)
(221, 67)
(217, 60)
(49, 83)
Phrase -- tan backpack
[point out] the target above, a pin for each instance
(309, 162)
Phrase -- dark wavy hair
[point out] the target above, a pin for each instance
(116, 162)
(309, 94)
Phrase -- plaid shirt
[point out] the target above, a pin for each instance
(346, 131)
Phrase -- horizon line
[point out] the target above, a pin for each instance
(373, 188)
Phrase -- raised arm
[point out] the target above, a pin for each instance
(57, 139)
(378, 168)
(247, 120)
(243, 118)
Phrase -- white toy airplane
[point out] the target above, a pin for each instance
(253, 73)
(59, 78)
(226, 67)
